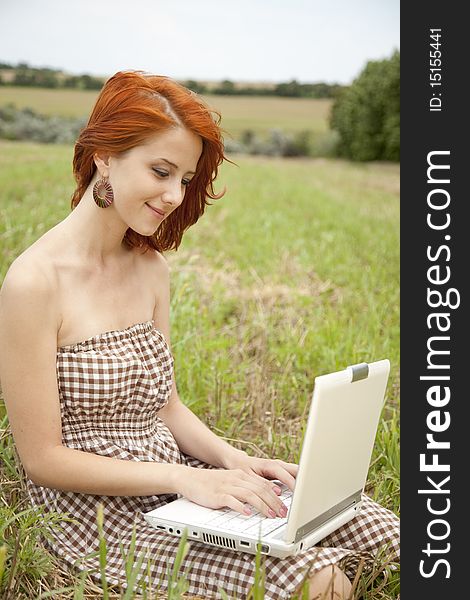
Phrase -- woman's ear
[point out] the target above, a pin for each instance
(101, 160)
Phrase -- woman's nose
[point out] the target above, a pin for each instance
(173, 194)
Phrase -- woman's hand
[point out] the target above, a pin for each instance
(218, 488)
(264, 467)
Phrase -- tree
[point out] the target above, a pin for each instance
(367, 113)
(195, 86)
(292, 88)
(225, 87)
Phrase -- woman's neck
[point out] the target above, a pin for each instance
(97, 233)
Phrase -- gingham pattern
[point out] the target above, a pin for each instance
(111, 388)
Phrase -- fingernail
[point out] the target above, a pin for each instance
(283, 511)
(247, 510)
(277, 490)
(271, 513)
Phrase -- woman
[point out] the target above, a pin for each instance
(87, 372)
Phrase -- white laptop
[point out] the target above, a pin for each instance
(334, 462)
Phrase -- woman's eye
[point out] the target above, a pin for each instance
(185, 182)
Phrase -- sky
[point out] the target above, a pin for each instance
(207, 40)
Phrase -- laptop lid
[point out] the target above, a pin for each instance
(338, 443)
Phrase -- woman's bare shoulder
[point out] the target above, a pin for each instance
(156, 274)
(156, 264)
(31, 273)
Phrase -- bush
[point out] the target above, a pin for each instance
(26, 124)
(278, 143)
(367, 114)
(325, 144)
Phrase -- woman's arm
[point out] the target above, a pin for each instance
(191, 435)
(194, 438)
(28, 347)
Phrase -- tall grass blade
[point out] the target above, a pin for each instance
(102, 549)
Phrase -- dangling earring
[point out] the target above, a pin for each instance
(103, 193)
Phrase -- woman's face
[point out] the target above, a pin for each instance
(149, 181)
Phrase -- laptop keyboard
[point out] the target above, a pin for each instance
(253, 524)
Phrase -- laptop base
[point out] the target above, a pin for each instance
(271, 544)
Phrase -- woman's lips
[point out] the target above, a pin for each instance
(156, 211)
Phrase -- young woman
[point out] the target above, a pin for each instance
(87, 371)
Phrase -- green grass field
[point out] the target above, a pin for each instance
(292, 274)
(238, 112)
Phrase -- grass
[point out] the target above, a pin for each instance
(293, 273)
(239, 112)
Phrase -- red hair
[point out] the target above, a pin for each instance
(133, 106)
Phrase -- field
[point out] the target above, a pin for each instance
(293, 273)
(239, 112)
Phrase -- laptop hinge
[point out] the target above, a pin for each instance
(359, 371)
(327, 515)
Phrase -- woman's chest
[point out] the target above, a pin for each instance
(93, 302)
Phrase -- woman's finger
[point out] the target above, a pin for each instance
(293, 468)
(271, 485)
(261, 500)
(277, 470)
(265, 491)
(231, 502)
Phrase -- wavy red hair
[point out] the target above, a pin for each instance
(133, 106)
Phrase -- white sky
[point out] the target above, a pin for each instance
(241, 40)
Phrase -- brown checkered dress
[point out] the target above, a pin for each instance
(111, 388)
